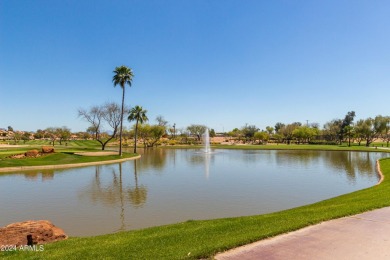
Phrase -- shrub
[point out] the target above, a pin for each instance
(172, 142)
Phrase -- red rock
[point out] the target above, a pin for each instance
(31, 153)
(47, 149)
(42, 232)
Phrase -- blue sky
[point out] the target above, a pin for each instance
(218, 63)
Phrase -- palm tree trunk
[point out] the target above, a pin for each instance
(120, 130)
(135, 137)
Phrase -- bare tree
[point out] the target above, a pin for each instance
(161, 121)
(110, 114)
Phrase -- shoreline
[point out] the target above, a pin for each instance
(378, 169)
(64, 166)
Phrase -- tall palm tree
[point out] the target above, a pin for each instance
(139, 115)
(123, 75)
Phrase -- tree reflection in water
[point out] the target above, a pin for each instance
(349, 162)
(115, 193)
(137, 194)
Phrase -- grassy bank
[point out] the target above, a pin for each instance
(61, 156)
(72, 143)
(202, 239)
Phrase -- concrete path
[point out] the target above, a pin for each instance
(363, 236)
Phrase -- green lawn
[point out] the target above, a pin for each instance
(72, 143)
(63, 155)
(203, 239)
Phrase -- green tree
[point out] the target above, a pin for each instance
(270, 129)
(278, 126)
(138, 114)
(156, 132)
(370, 129)
(212, 133)
(235, 133)
(261, 136)
(249, 131)
(150, 134)
(17, 136)
(332, 130)
(288, 131)
(143, 132)
(277, 137)
(349, 131)
(197, 130)
(83, 135)
(26, 136)
(63, 133)
(304, 133)
(386, 131)
(360, 129)
(345, 127)
(52, 133)
(123, 75)
(39, 134)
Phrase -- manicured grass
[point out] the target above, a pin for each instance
(203, 239)
(72, 143)
(61, 156)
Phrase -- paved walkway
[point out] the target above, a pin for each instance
(363, 236)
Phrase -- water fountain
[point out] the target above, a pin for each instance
(206, 140)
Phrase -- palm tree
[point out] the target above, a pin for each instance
(139, 115)
(123, 75)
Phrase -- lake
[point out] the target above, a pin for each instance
(168, 186)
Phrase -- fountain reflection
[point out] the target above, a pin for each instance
(207, 165)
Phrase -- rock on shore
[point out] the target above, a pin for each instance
(41, 232)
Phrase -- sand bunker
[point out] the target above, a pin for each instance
(103, 153)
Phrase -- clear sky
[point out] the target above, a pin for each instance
(219, 63)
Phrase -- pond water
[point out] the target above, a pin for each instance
(174, 185)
